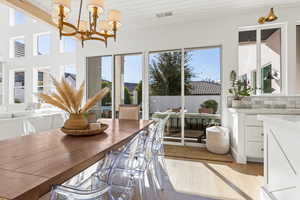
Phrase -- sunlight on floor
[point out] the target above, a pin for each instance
(215, 180)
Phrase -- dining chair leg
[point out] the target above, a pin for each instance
(152, 185)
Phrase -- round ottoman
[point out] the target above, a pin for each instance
(217, 139)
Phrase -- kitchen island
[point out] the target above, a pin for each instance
(281, 157)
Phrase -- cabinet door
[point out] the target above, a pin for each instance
(254, 134)
(255, 149)
(280, 173)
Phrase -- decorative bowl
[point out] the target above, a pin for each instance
(93, 129)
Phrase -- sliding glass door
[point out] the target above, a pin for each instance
(185, 82)
(100, 75)
(128, 80)
(202, 94)
(165, 90)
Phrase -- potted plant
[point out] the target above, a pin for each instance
(209, 106)
(239, 89)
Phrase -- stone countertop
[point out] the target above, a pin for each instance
(279, 111)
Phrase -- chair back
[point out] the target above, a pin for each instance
(131, 112)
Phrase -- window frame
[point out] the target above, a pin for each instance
(283, 68)
(12, 76)
(36, 43)
(35, 84)
(12, 49)
(62, 72)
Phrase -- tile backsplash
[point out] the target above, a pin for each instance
(268, 102)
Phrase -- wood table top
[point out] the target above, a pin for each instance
(30, 165)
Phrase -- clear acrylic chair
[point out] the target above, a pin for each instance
(107, 182)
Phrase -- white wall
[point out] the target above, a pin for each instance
(55, 59)
(192, 103)
(223, 31)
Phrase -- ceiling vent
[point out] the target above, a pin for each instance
(164, 14)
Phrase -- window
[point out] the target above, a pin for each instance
(17, 47)
(16, 17)
(42, 82)
(67, 45)
(69, 73)
(202, 92)
(260, 60)
(165, 89)
(100, 75)
(19, 87)
(189, 88)
(128, 81)
(41, 44)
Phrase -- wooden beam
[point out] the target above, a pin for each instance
(34, 11)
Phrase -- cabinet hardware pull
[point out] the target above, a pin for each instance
(262, 134)
(262, 149)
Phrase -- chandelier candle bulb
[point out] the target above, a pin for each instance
(114, 16)
(104, 27)
(99, 4)
(65, 3)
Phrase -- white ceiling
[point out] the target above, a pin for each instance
(141, 12)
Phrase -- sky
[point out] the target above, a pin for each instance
(205, 64)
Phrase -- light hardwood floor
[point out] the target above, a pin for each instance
(191, 180)
(208, 180)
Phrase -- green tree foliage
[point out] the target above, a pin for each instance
(165, 74)
(139, 89)
(106, 101)
(127, 96)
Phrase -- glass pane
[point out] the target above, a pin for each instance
(99, 75)
(69, 44)
(202, 91)
(44, 82)
(248, 57)
(19, 87)
(106, 81)
(43, 44)
(271, 61)
(70, 74)
(19, 17)
(165, 90)
(19, 48)
(128, 80)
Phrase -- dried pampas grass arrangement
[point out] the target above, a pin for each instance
(69, 99)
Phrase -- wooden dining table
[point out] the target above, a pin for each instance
(30, 165)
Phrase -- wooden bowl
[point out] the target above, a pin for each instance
(93, 129)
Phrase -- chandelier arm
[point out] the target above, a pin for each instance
(70, 26)
(69, 34)
(102, 34)
(95, 38)
(79, 15)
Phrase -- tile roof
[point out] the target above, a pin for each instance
(205, 88)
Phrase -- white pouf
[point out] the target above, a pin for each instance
(217, 139)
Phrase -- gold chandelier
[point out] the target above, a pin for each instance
(87, 30)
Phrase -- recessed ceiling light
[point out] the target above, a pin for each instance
(164, 14)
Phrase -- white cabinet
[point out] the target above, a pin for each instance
(247, 137)
(281, 158)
